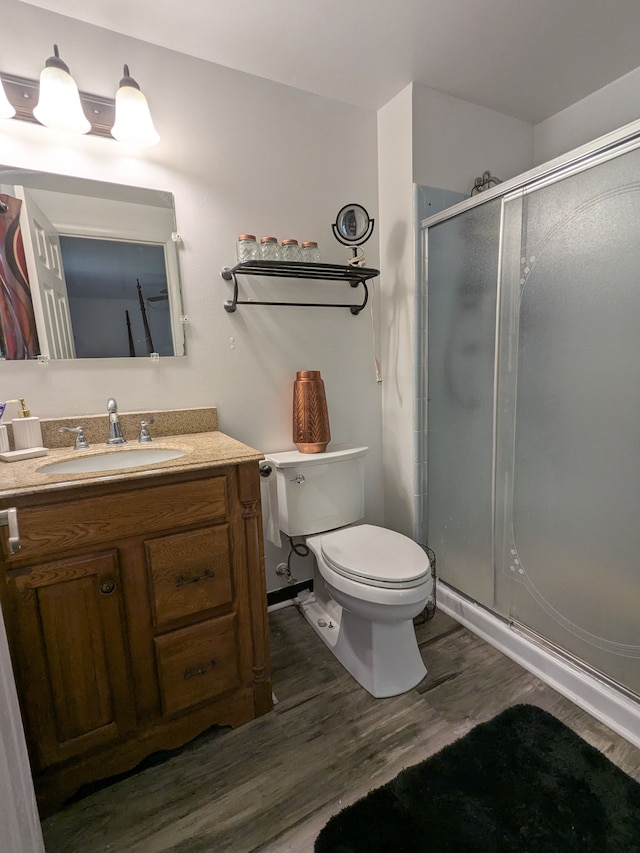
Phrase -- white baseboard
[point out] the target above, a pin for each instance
(602, 701)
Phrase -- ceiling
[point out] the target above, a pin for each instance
(526, 58)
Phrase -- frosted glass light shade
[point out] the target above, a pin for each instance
(6, 108)
(133, 123)
(59, 104)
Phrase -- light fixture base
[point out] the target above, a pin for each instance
(22, 93)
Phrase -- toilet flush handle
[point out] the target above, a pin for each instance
(299, 479)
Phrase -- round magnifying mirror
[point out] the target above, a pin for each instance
(353, 226)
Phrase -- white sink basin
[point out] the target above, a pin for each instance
(117, 460)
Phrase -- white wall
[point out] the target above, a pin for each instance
(240, 154)
(601, 112)
(455, 141)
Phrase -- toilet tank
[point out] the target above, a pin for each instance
(318, 491)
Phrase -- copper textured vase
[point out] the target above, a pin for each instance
(311, 433)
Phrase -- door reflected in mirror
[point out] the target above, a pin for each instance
(87, 269)
(118, 298)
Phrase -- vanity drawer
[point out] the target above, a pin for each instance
(197, 663)
(190, 572)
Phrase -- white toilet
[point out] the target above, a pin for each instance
(369, 582)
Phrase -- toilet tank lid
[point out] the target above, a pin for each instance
(293, 458)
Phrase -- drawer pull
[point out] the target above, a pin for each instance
(107, 587)
(191, 673)
(182, 581)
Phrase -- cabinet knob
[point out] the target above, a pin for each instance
(107, 587)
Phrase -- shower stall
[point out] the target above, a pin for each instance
(533, 406)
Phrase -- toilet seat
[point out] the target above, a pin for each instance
(375, 556)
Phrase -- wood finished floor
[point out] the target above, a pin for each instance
(271, 785)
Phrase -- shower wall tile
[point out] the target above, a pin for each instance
(449, 198)
(420, 534)
(420, 477)
(420, 416)
(431, 200)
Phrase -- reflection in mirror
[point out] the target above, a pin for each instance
(353, 223)
(353, 226)
(87, 269)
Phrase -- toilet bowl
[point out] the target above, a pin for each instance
(378, 581)
(368, 582)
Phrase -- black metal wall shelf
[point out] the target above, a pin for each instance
(354, 276)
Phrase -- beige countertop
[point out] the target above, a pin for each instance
(202, 450)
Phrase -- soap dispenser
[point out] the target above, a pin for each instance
(4, 438)
(26, 429)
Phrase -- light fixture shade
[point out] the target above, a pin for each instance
(7, 109)
(59, 104)
(133, 123)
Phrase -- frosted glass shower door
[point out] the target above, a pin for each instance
(462, 272)
(568, 463)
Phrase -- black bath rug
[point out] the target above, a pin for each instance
(521, 782)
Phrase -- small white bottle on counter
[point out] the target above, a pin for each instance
(26, 429)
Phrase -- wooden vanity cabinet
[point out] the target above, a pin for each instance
(136, 618)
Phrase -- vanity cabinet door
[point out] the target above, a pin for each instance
(71, 658)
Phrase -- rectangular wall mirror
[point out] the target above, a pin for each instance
(87, 269)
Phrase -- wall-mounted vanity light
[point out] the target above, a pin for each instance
(133, 124)
(56, 102)
(59, 104)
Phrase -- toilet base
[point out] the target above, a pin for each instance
(383, 658)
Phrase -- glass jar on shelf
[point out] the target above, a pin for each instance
(247, 248)
(310, 253)
(290, 250)
(270, 249)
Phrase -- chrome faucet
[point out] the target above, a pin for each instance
(115, 430)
